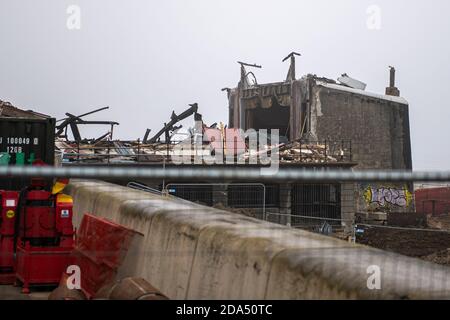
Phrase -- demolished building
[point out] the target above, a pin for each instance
(313, 109)
(323, 124)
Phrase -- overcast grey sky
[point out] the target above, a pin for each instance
(146, 58)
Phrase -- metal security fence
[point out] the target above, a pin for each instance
(272, 195)
(198, 193)
(314, 191)
(316, 201)
(142, 187)
(245, 198)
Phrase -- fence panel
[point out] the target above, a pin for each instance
(244, 198)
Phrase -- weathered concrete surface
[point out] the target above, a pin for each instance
(192, 252)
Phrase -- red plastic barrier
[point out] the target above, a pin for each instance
(101, 246)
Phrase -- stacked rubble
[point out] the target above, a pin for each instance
(112, 151)
(124, 151)
(298, 152)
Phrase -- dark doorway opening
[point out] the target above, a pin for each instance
(275, 117)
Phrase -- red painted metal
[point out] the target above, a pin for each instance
(8, 212)
(45, 238)
(101, 247)
(44, 241)
(41, 265)
(434, 201)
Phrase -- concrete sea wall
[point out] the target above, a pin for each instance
(190, 251)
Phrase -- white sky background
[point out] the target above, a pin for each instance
(146, 58)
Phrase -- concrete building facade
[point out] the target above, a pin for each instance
(319, 109)
(314, 109)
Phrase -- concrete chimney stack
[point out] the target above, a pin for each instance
(392, 77)
(392, 90)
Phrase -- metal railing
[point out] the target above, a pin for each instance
(143, 187)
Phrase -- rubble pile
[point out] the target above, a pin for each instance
(111, 151)
(119, 151)
(203, 139)
(297, 152)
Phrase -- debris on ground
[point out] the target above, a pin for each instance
(441, 222)
(441, 257)
(249, 212)
(429, 244)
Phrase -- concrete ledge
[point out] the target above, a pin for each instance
(190, 251)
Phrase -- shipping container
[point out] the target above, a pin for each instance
(434, 201)
(22, 141)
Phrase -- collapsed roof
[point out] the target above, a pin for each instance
(8, 110)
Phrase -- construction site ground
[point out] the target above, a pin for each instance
(427, 245)
(430, 245)
(10, 292)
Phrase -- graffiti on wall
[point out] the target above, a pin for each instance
(388, 196)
